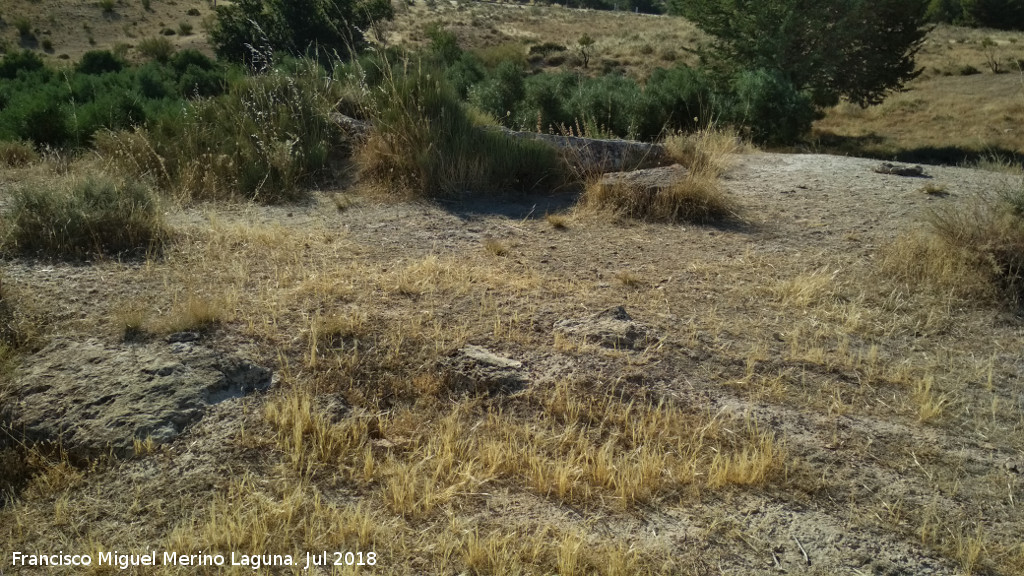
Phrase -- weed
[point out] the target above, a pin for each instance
(107, 6)
(709, 150)
(933, 189)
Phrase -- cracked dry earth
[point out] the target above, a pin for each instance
(785, 321)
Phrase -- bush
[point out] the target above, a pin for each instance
(990, 233)
(771, 107)
(156, 48)
(17, 154)
(15, 62)
(263, 139)
(100, 62)
(88, 218)
(424, 142)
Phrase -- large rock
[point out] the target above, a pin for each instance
(93, 397)
(588, 155)
(611, 328)
(477, 370)
(593, 155)
(648, 181)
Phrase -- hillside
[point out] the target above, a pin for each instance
(816, 370)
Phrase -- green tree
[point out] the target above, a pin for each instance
(1002, 14)
(829, 49)
(248, 30)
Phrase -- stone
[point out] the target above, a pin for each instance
(898, 170)
(612, 328)
(648, 181)
(587, 155)
(93, 398)
(476, 369)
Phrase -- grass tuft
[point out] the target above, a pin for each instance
(86, 218)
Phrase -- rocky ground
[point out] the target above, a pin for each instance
(885, 419)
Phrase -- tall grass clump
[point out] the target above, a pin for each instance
(424, 142)
(973, 250)
(81, 219)
(267, 137)
(17, 154)
(707, 150)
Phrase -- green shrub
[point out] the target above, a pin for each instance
(15, 62)
(424, 142)
(184, 28)
(87, 218)
(24, 27)
(100, 62)
(499, 95)
(773, 110)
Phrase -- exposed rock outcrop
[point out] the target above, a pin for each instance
(92, 397)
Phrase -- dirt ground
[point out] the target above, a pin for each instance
(896, 413)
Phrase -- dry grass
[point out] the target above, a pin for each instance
(696, 197)
(710, 150)
(971, 249)
(17, 154)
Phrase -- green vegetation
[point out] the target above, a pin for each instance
(857, 50)
(265, 138)
(1002, 14)
(252, 30)
(52, 108)
(83, 219)
(424, 141)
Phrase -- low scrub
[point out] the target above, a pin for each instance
(83, 219)
(424, 142)
(264, 139)
(47, 107)
(974, 251)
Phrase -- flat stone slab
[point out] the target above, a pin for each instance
(476, 369)
(94, 398)
(901, 170)
(648, 180)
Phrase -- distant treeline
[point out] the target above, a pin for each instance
(641, 6)
(1002, 14)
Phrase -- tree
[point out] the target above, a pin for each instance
(829, 49)
(251, 29)
(1002, 14)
